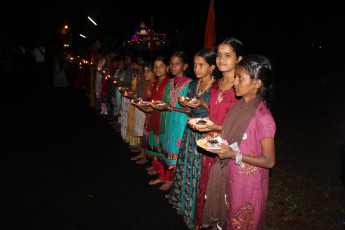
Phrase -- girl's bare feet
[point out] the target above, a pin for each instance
(135, 158)
(152, 172)
(148, 168)
(142, 161)
(141, 155)
(135, 147)
(134, 150)
(166, 186)
(156, 181)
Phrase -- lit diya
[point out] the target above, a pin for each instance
(140, 102)
(157, 103)
(183, 99)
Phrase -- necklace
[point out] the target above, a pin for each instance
(220, 97)
(158, 84)
(200, 94)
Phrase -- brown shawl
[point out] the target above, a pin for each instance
(234, 127)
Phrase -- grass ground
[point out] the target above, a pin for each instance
(306, 189)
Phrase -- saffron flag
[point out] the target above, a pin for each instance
(210, 33)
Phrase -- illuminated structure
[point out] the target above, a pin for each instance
(144, 38)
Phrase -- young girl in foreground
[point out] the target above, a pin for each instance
(251, 126)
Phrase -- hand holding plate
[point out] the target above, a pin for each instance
(194, 104)
(159, 105)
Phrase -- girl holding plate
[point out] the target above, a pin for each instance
(156, 126)
(176, 118)
(237, 190)
(150, 78)
(222, 98)
(184, 190)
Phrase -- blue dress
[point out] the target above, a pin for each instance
(175, 124)
(184, 191)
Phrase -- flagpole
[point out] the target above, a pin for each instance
(210, 33)
(151, 39)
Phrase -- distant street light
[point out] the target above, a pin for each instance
(81, 35)
(92, 20)
(64, 29)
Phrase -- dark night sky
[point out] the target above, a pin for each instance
(259, 26)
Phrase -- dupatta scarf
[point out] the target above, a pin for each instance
(234, 127)
(157, 94)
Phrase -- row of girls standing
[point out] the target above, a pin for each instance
(110, 66)
(233, 182)
(126, 72)
(194, 164)
(219, 189)
(129, 120)
(172, 145)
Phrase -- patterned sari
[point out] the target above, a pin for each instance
(184, 191)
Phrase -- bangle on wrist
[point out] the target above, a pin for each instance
(238, 159)
(186, 109)
(170, 108)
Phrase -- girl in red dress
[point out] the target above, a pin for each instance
(222, 98)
